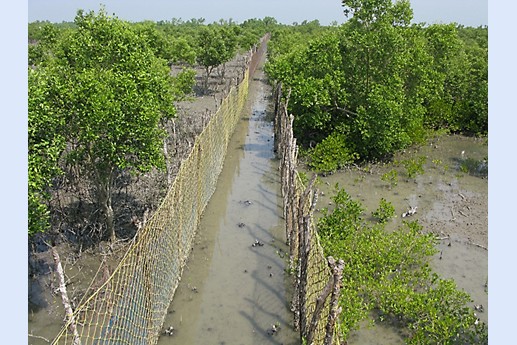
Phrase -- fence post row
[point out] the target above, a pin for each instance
(317, 281)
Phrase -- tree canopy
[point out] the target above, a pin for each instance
(216, 45)
(379, 83)
(108, 91)
(101, 92)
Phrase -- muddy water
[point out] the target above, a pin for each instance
(45, 307)
(452, 202)
(234, 288)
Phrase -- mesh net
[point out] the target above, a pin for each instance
(130, 307)
(307, 258)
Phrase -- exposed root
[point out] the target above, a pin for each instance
(39, 337)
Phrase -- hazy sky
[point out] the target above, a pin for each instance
(466, 12)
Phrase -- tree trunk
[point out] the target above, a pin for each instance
(110, 220)
(206, 78)
(223, 72)
(167, 164)
(104, 190)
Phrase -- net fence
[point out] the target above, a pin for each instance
(130, 305)
(317, 278)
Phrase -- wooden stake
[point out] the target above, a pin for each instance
(320, 303)
(335, 309)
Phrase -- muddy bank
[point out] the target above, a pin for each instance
(451, 201)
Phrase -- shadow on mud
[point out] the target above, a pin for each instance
(88, 224)
(81, 224)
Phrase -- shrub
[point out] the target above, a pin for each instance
(331, 154)
(391, 177)
(414, 167)
(385, 212)
(388, 274)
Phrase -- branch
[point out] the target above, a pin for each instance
(346, 111)
(39, 337)
(478, 245)
(335, 309)
(64, 297)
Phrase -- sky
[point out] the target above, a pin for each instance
(466, 12)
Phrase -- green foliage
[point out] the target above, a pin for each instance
(114, 101)
(390, 177)
(283, 40)
(437, 162)
(175, 49)
(156, 39)
(332, 88)
(434, 310)
(253, 29)
(331, 154)
(45, 144)
(108, 104)
(184, 82)
(43, 42)
(182, 52)
(385, 212)
(368, 12)
(216, 45)
(344, 220)
(459, 98)
(35, 30)
(183, 34)
(388, 273)
(381, 80)
(414, 166)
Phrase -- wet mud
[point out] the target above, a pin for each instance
(46, 314)
(451, 199)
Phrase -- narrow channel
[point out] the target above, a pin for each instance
(235, 289)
